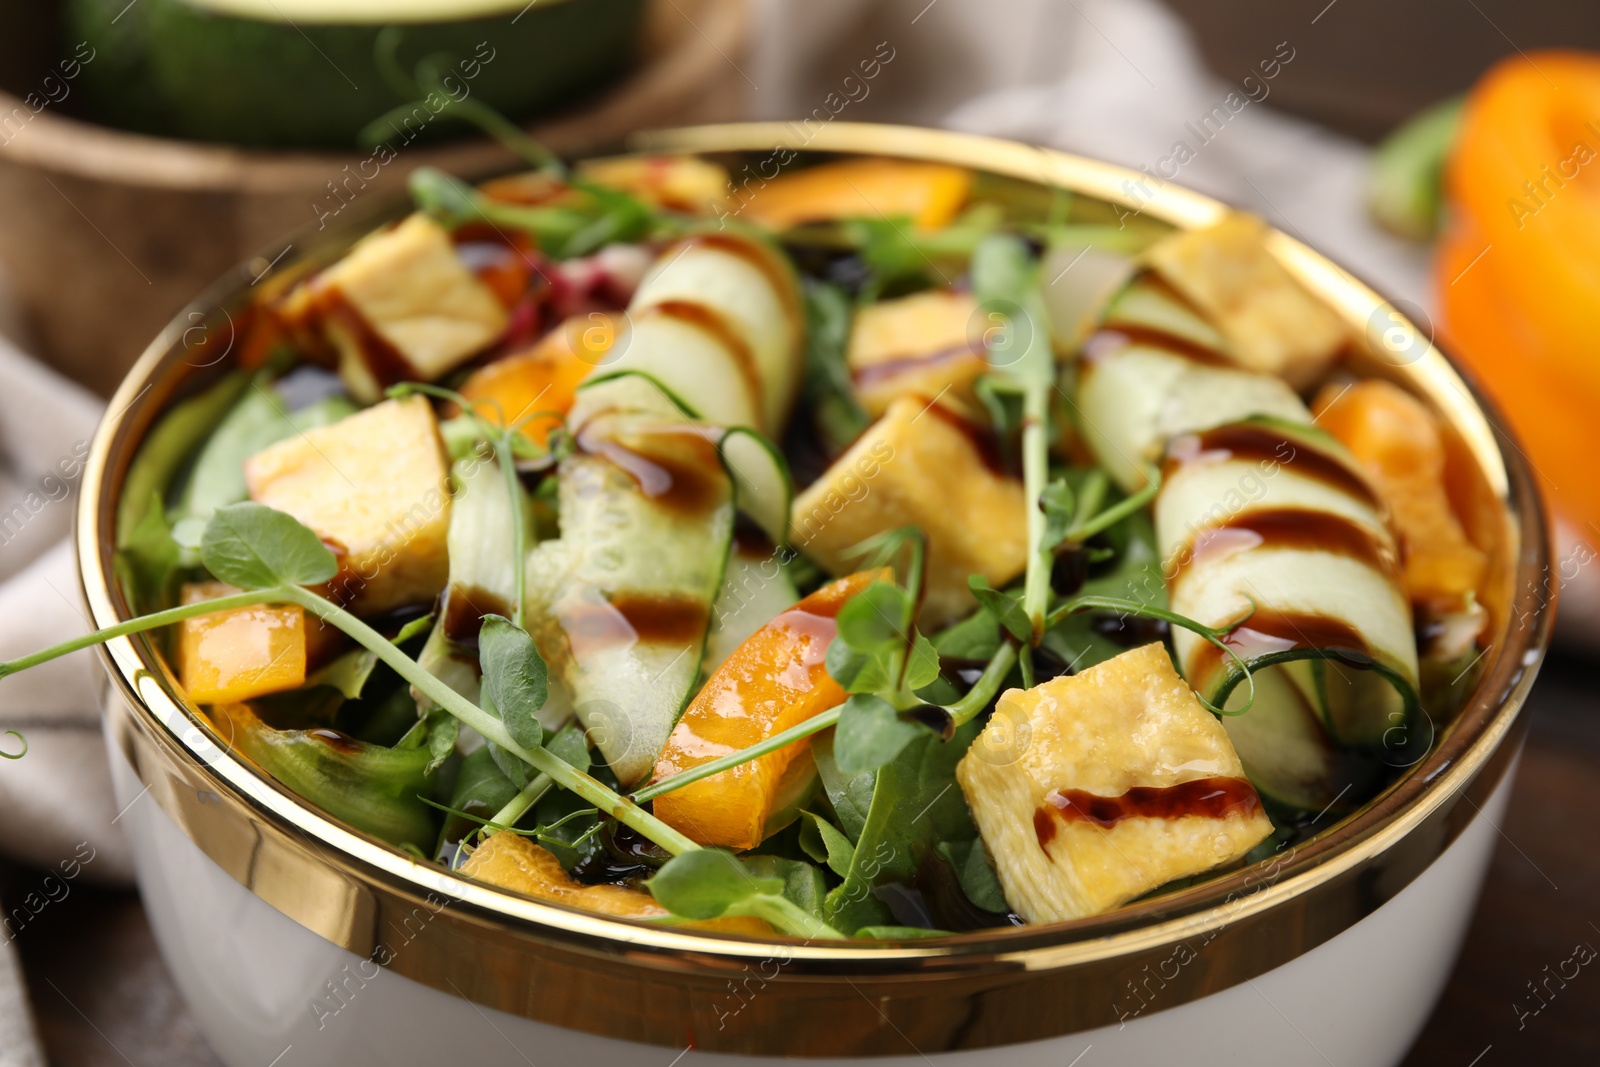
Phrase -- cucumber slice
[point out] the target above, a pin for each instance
(1134, 400)
(626, 390)
(1287, 754)
(621, 603)
(755, 590)
(1268, 526)
(1149, 306)
(761, 481)
(749, 291)
(692, 359)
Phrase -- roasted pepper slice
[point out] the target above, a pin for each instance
(774, 680)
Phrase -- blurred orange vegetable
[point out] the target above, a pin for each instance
(544, 379)
(929, 194)
(242, 653)
(1518, 269)
(773, 681)
(1400, 446)
(511, 861)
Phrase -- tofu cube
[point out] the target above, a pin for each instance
(680, 183)
(240, 653)
(374, 487)
(400, 306)
(1272, 323)
(1092, 789)
(925, 343)
(919, 465)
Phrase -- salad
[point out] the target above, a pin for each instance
(882, 550)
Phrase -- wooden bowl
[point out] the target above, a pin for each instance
(108, 233)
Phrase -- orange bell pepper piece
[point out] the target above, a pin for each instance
(241, 653)
(773, 681)
(1518, 270)
(1399, 444)
(544, 379)
(929, 194)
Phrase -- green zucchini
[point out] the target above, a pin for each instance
(306, 72)
(1285, 747)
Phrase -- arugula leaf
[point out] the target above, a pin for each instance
(1005, 607)
(870, 734)
(915, 806)
(709, 883)
(253, 546)
(515, 681)
(826, 843)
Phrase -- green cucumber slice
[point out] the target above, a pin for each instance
(1287, 754)
(762, 484)
(621, 603)
(755, 590)
(691, 360)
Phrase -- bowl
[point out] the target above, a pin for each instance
(297, 940)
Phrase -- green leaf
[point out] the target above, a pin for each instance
(571, 744)
(709, 883)
(829, 392)
(870, 734)
(850, 795)
(169, 446)
(510, 765)
(1005, 279)
(857, 672)
(444, 730)
(803, 884)
(916, 804)
(347, 673)
(897, 933)
(515, 682)
(977, 637)
(1005, 607)
(922, 663)
(875, 619)
(826, 843)
(975, 873)
(148, 555)
(255, 547)
(1058, 503)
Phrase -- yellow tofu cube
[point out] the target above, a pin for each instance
(929, 343)
(374, 487)
(920, 465)
(240, 653)
(1273, 325)
(1092, 789)
(400, 306)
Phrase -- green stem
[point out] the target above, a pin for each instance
(276, 594)
(786, 915)
(518, 805)
(560, 771)
(519, 551)
(1118, 511)
(988, 684)
(816, 724)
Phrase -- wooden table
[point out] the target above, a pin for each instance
(103, 998)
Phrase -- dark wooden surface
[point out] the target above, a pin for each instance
(102, 996)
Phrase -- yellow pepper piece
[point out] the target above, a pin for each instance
(773, 681)
(929, 194)
(234, 655)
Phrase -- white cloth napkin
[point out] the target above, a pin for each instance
(1116, 79)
